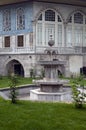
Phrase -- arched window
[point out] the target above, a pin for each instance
(78, 18)
(49, 24)
(76, 30)
(49, 15)
(20, 19)
(6, 20)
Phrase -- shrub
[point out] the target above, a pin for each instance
(13, 82)
(78, 95)
(32, 73)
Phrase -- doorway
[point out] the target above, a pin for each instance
(15, 67)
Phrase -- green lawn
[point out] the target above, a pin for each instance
(4, 81)
(79, 80)
(28, 115)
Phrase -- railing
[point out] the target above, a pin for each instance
(39, 50)
(5, 50)
(63, 50)
(24, 50)
(19, 50)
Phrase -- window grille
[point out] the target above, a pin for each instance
(75, 34)
(78, 18)
(6, 20)
(7, 41)
(20, 41)
(49, 15)
(20, 19)
(48, 24)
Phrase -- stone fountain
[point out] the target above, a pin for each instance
(51, 88)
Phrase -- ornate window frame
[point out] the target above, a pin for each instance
(20, 18)
(20, 41)
(76, 27)
(6, 20)
(49, 24)
(7, 41)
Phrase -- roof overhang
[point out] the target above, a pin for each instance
(71, 2)
(4, 2)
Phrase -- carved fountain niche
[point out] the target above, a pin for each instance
(51, 88)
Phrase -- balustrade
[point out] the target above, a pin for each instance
(62, 50)
(39, 49)
(10, 50)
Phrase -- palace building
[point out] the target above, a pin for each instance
(26, 26)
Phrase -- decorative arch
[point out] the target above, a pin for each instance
(49, 25)
(14, 66)
(76, 28)
(48, 8)
(75, 11)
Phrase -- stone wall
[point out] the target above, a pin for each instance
(27, 61)
(72, 65)
(75, 63)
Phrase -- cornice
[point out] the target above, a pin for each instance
(70, 2)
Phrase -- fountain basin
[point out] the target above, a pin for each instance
(65, 96)
(51, 86)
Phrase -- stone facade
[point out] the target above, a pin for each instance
(25, 58)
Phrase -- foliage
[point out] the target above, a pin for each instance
(61, 76)
(42, 73)
(78, 95)
(32, 73)
(13, 82)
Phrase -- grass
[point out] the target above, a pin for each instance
(4, 81)
(79, 80)
(28, 115)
